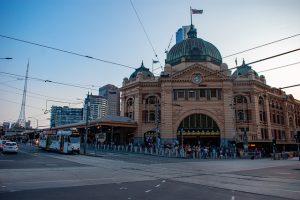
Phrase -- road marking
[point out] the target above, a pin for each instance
(163, 181)
(233, 198)
(157, 185)
(6, 160)
(123, 188)
(283, 173)
(3, 186)
(148, 191)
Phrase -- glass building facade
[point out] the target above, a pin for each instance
(65, 115)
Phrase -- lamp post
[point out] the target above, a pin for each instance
(245, 142)
(8, 58)
(86, 122)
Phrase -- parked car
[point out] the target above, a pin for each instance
(2, 143)
(10, 147)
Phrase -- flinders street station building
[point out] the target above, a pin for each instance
(196, 100)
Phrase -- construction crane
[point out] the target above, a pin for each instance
(167, 50)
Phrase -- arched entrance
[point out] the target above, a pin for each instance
(198, 129)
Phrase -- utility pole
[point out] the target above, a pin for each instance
(86, 122)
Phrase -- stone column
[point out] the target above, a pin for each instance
(166, 131)
(254, 129)
(267, 106)
(229, 131)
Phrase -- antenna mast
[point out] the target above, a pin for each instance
(22, 120)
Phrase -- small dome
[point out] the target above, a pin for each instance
(193, 49)
(145, 71)
(244, 70)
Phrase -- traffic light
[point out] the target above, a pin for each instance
(297, 137)
(274, 142)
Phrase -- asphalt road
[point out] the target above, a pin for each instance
(35, 174)
(142, 190)
(31, 157)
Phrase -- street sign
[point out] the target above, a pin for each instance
(101, 137)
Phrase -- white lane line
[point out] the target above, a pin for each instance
(148, 191)
(123, 188)
(157, 185)
(163, 181)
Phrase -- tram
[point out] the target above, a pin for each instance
(60, 141)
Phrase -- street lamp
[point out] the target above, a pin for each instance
(86, 122)
(8, 58)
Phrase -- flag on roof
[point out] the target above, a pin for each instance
(196, 11)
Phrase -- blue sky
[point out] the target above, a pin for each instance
(110, 30)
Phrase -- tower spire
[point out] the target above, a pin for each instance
(22, 119)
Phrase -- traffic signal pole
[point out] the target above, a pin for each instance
(274, 148)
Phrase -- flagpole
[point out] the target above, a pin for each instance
(191, 15)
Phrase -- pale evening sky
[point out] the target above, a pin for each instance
(109, 30)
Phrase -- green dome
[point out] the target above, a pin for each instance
(193, 49)
(143, 70)
(243, 70)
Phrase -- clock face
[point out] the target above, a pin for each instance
(197, 78)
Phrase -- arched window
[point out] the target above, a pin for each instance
(130, 108)
(151, 112)
(198, 122)
(262, 113)
(240, 99)
(291, 123)
(242, 112)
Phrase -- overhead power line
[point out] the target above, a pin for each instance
(271, 69)
(281, 54)
(65, 51)
(140, 21)
(261, 45)
(49, 81)
(289, 86)
(260, 60)
(34, 97)
(38, 94)
(1, 99)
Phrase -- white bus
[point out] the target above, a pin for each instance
(61, 141)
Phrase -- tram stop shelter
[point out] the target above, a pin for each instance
(109, 129)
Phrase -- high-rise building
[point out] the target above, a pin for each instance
(65, 115)
(181, 34)
(98, 107)
(112, 94)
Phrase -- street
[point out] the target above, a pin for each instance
(36, 174)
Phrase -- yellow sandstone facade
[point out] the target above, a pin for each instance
(197, 100)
